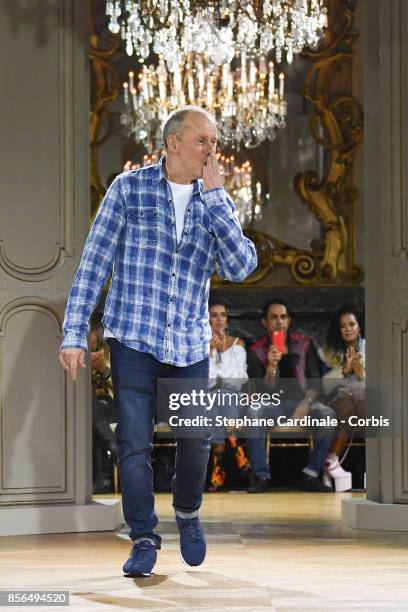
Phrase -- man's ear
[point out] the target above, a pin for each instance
(172, 144)
(263, 322)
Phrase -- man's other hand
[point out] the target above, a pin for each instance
(70, 359)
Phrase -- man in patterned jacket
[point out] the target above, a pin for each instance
(295, 372)
(160, 230)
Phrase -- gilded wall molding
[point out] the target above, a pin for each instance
(337, 126)
(105, 87)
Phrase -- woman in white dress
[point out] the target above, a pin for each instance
(228, 371)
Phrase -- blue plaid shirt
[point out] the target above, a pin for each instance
(158, 296)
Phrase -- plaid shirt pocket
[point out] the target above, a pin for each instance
(143, 225)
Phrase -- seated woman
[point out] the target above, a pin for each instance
(344, 355)
(228, 370)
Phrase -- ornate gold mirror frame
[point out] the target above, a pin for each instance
(105, 87)
(336, 125)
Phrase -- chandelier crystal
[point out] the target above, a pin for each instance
(248, 102)
(175, 28)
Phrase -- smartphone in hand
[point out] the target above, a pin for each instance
(278, 340)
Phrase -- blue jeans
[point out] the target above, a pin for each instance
(134, 377)
(322, 441)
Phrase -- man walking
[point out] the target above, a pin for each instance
(160, 230)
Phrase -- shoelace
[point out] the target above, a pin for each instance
(141, 548)
(192, 529)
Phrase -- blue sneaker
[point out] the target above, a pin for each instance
(142, 559)
(192, 541)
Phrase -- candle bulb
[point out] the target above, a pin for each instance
(281, 84)
(243, 72)
(262, 67)
(190, 83)
(200, 76)
(225, 76)
(252, 72)
(150, 85)
(177, 80)
(126, 92)
(162, 78)
(271, 87)
(230, 86)
(134, 100)
(162, 90)
(145, 87)
(150, 88)
(151, 81)
(131, 82)
(275, 103)
(210, 99)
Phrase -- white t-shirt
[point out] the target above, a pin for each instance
(181, 197)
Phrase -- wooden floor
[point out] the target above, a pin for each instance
(276, 551)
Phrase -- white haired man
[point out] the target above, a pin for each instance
(161, 229)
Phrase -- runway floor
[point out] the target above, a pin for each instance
(276, 551)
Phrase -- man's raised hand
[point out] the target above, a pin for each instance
(213, 176)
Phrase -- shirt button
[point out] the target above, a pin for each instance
(188, 209)
(176, 251)
(174, 274)
(171, 299)
(168, 325)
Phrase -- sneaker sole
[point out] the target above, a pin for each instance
(138, 575)
(189, 564)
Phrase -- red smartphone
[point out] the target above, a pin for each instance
(278, 340)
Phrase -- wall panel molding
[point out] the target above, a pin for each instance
(399, 129)
(57, 126)
(400, 415)
(45, 419)
(36, 444)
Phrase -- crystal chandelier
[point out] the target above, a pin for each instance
(218, 29)
(239, 183)
(248, 103)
